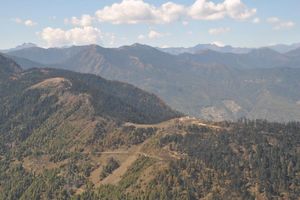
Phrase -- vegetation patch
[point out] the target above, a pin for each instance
(112, 165)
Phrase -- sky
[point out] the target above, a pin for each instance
(174, 23)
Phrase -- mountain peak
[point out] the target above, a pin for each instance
(26, 45)
(21, 47)
(137, 45)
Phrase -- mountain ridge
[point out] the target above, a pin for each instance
(200, 85)
(280, 48)
(8, 66)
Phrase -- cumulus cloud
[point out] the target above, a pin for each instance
(218, 31)
(76, 36)
(110, 38)
(27, 22)
(138, 11)
(208, 10)
(279, 24)
(85, 20)
(154, 34)
(151, 35)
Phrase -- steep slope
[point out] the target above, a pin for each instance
(183, 158)
(209, 84)
(8, 66)
(116, 100)
(210, 91)
(203, 161)
(26, 63)
(32, 98)
(55, 111)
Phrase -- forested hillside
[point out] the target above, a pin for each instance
(243, 160)
(65, 135)
(208, 84)
(8, 66)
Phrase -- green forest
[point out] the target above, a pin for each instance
(65, 135)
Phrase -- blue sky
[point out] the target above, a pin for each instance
(246, 23)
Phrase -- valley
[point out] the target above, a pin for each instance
(210, 85)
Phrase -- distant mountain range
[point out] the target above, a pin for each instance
(207, 84)
(281, 48)
(203, 47)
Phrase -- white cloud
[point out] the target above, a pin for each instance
(208, 10)
(138, 11)
(154, 34)
(279, 24)
(273, 20)
(27, 22)
(76, 36)
(111, 38)
(85, 20)
(256, 20)
(170, 12)
(217, 31)
(151, 35)
(284, 25)
(141, 37)
(30, 23)
(218, 43)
